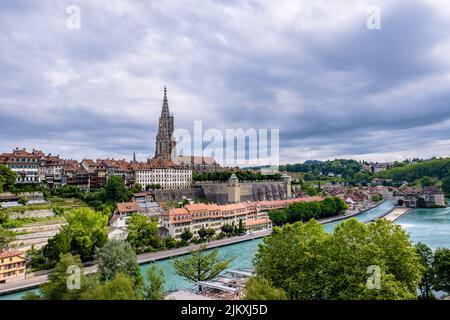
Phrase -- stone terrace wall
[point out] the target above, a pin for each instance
(32, 214)
(169, 195)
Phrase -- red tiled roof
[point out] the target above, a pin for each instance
(250, 223)
(10, 254)
(128, 207)
(190, 211)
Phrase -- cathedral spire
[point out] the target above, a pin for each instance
(165, 109)
(165, 144)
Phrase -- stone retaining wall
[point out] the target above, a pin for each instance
(47, 213)
(218, 192)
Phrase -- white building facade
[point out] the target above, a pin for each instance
(169, 178)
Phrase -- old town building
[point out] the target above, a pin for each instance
(26, 165)
(12, 266)
(253, 216)
(434, 197)
(163, 173)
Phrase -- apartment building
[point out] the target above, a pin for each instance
(162, 172)
(26, 165)
(253, 215)
(12, 266)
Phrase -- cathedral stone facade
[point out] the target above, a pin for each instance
(165, 143)
(165, 149)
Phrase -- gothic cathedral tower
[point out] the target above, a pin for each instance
(165, 145)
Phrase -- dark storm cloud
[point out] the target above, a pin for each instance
(332, 86)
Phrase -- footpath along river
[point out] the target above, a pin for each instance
(431, 226)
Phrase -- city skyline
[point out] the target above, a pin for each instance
(334, 88)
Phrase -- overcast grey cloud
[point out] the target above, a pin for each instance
(313, 69)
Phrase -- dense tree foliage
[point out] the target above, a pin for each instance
(308, 263)
(446, 185)
(113, 282)
(426, 283)
(305, 211)
(186, 235)
(200, 265)
(441, 269)
(104, 199)
(143, 233)
(85, 231)
(7, 178)
(121, 287)
(4, 217)
(243, 175)
(315, 169)
(57, 289)
(6, 237)
(117, 257)
(257, 288)
(153, 186)
(438, 168)
(154, 287)
(206, 234)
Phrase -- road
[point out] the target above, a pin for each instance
(36, 281)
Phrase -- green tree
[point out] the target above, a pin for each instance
(56, 246)
(142, 233)
(4, 217)
(200, 265)
(426, 257)
(6, 237)
(136, 188)
(186, 235)
(154, 288)
(241, 229)
(118, 257)
(261, 289)
(170, 243)
(376, 198)
(122, 287)
(85, 231)
(441, 267)
(227, 229)
(308, 263)
(153, 186)
(23, 201)
(115, 190)
(88, 230)
(446, 185)
(202, 233)
(57, 287)
(7, 178)
(31, 295)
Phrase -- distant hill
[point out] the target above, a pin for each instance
(438, 168)
(343, 167)
(436, 171)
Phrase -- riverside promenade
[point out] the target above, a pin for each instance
(36, 281)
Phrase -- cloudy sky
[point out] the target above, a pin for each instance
(313, 69)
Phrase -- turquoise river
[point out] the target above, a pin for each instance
(430, 226)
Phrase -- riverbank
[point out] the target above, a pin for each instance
(350, 215)
(143, 258)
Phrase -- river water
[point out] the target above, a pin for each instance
(430, 226)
